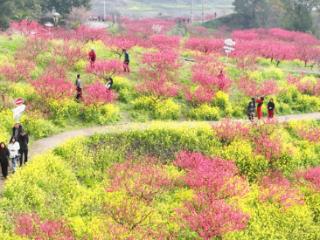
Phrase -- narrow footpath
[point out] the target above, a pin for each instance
(46, 144)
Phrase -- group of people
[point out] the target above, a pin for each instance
(108, 81)
(16, 152)
(255, 108)
(93, 57)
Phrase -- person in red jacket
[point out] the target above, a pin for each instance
(259, 107)
(92, 57)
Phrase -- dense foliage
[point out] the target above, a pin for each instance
(171, 181)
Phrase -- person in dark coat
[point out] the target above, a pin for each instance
(78, 88)
(24, 141)
(126, 61)
(109, 83)
(271, 108)
(4, 159)
(16, 131)
(251, 109)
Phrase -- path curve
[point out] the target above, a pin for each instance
(43, 145)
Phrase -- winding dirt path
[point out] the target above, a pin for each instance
(49, 143)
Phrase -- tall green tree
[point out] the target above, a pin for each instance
(63, 7)
(6, 12)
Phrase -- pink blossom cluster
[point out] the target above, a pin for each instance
(270, 148)
(143, 180)
(51, 87)
(105, 68)
(31, 226)
(20, 71)
(200, 95)
(228, 130)
(313, 176)
(159, 74)
(165, 42)
(205, 45)
(96, 94)
(306, 86)
(276, 188)
(310, 134)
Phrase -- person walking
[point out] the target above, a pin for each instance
(16, 131)
(78, 88)
(271, 108)
(23, 142)
(4, 159)
(14, 148)
(251, 109)
(259, 107)
(126, 61)
(92, 58)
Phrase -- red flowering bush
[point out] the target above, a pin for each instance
(32, 227)
(200, 95)
(96, 94)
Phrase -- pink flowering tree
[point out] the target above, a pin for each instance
(105, 68)
(72, 53)
(211, 175)
(97, 94)
(32, 227)
(51, 87)
(211, 217)
(159, 74)
(208, 76)
(205, 45)
(252, 88)
(21, 70)
(213, 179)
(164, 42)
(118, 43)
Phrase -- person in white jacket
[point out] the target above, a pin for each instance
(14, 148)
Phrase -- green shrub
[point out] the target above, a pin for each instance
(51, 187)
(167, 109)
(38, 127)
(105, 114)
(64, 110)
(221, 101)
(23, 90)
(205, 112)
(244, 156)
(144, 103)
